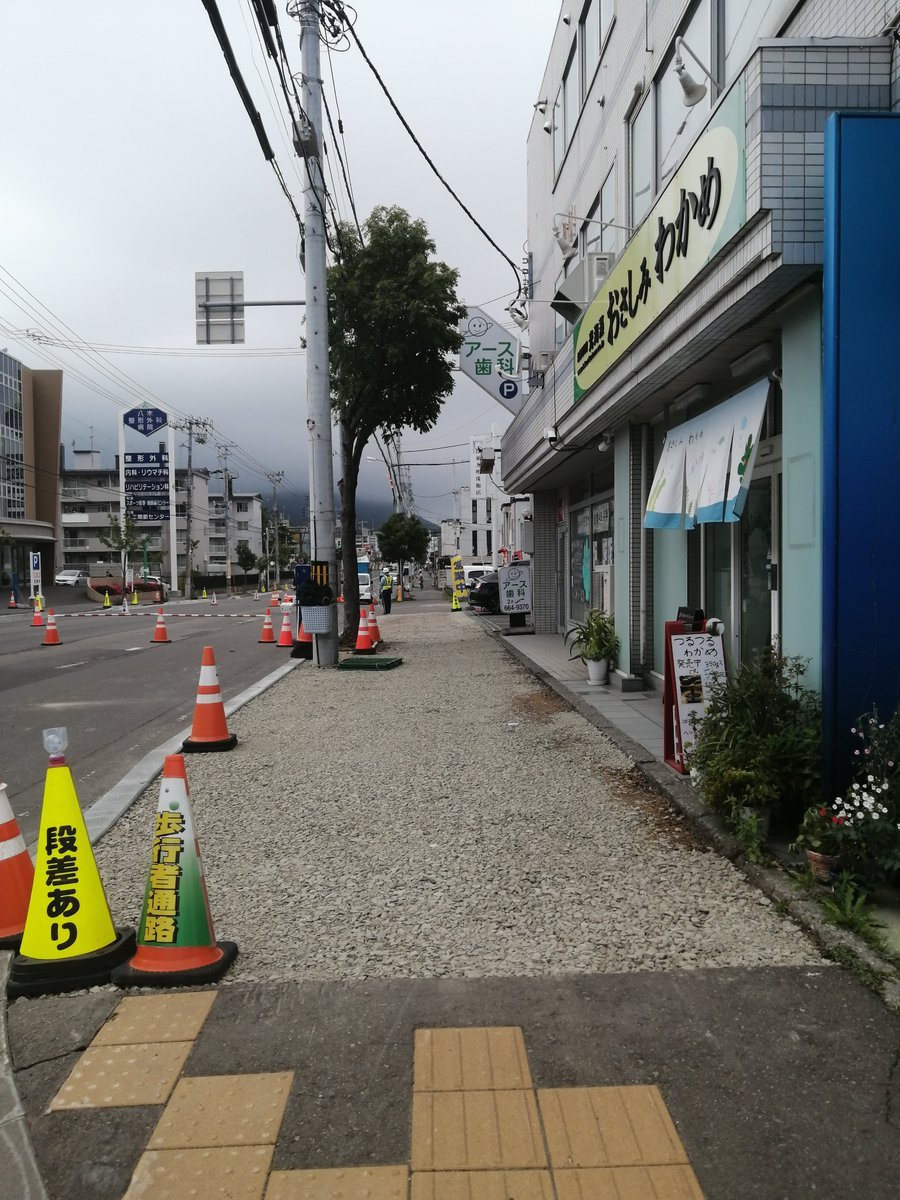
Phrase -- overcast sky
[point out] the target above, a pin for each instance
(128, 163)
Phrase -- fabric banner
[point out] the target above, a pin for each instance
(706, 464)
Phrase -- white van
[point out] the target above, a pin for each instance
(474, 572)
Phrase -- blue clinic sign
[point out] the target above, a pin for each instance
(145, 420)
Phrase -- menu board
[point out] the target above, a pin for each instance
(695, 662)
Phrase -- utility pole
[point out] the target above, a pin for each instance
(275, 477)
(199, 428)
(318, 389)
(226, 480)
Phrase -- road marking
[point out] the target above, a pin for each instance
(68, 666)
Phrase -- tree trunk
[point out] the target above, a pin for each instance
(350, 469)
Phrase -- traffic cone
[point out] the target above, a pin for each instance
(16, 876)
(303, 647)
(12, 600)
(134, 599)
(175, 941)
(51, 633)
(374, 631)
(106, 603)
(455, 605)
(203, 597)
(286, 638)
(37, 620)
(363, 640)
(268, 633)
(210, 729)
(39, 602)
(158, 596)
(69, 939)
(160, 633)
(213, 599)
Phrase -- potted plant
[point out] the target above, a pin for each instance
(820, 836)
(317, 606)
(594, 641)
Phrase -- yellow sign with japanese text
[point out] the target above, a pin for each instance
(702, 207)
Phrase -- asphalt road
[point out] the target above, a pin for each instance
(118, 694)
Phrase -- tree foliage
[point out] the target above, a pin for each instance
(393, 325)
(403, 539)
(246, 558)
(123, 538)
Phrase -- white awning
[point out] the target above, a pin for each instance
(707, 463)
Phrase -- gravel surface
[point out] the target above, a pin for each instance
(451, 817)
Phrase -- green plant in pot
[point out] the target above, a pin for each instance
(316, 602)
(594, 641)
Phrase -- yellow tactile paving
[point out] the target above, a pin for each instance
(472, 1131)
(476, 1059)
(229, 1173)
(121, 1076)
(482, 1185)
(609, 1127)
(156, 1019)
(341, 1183)
(223, 1110)
(628, 1183)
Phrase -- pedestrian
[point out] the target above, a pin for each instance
(421, 578)
(386, 587)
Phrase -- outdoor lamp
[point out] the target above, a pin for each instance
(568, 247)
(693, 91)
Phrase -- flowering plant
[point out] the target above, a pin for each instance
(822, 830)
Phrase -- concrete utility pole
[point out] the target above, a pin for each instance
(226, 481)
(199, 428)
(318, 389)
(275, 477)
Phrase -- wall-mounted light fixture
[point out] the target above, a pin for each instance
(693, 91)
(758, 361)
(548, 127)
(569, 246)
(541, 105)
(605, 442)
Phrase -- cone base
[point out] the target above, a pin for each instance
(160, 641)
(267, 642)
(302, 650)
(128, 976)
(370, 650)
(191, 746)
(43, 976)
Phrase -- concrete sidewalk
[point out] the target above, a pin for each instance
(753, 1082)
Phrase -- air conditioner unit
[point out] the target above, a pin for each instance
(581, 285)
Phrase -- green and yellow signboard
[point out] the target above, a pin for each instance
(702, 207)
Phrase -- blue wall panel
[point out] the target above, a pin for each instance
(861, 426)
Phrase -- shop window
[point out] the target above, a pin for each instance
(580, 564)
(743, 21)
(474, 541)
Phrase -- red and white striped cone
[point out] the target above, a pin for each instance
(16, 876)
(160, 633)
(286, 638)
(363, 640)
(267, 637)
(374, 631)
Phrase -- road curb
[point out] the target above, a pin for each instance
(833, 942)
(18, 1165)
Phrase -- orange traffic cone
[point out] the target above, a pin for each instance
(16, 876)
(160, 633)
(374, 631)
(268, 633)
(12, 600)
(175, 942)
(363, 640)
(286, 638)
(303, 647)
(210, 729)
(51, 633)
(37, 620)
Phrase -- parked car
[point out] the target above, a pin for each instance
(485, 593)
(154, 581)
(71, 577)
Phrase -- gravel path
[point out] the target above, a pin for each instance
(451, 817)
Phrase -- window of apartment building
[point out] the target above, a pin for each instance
(474, 511)
(571, 100)
(243, 526)
(595, 236)
(488, 542)
(559, 143)
(474, 541)
(487, 510)
(243, 506)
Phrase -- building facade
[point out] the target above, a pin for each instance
(30, 416)
(677, 441)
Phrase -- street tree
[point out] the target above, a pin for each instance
(393, 325)
(403, 539)
(124, 539)
(246, 559)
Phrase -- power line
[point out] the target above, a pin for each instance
(338, 8)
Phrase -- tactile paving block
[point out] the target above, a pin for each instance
(229, 1173)
(475, 1131)
(475, 1059)
(609, 1127)
(223, 1110)
(120, 1076)
(482, 1185)
(628, 1183)
(156, 1019)
(342, 1183)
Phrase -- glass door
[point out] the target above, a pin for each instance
(759, 558)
